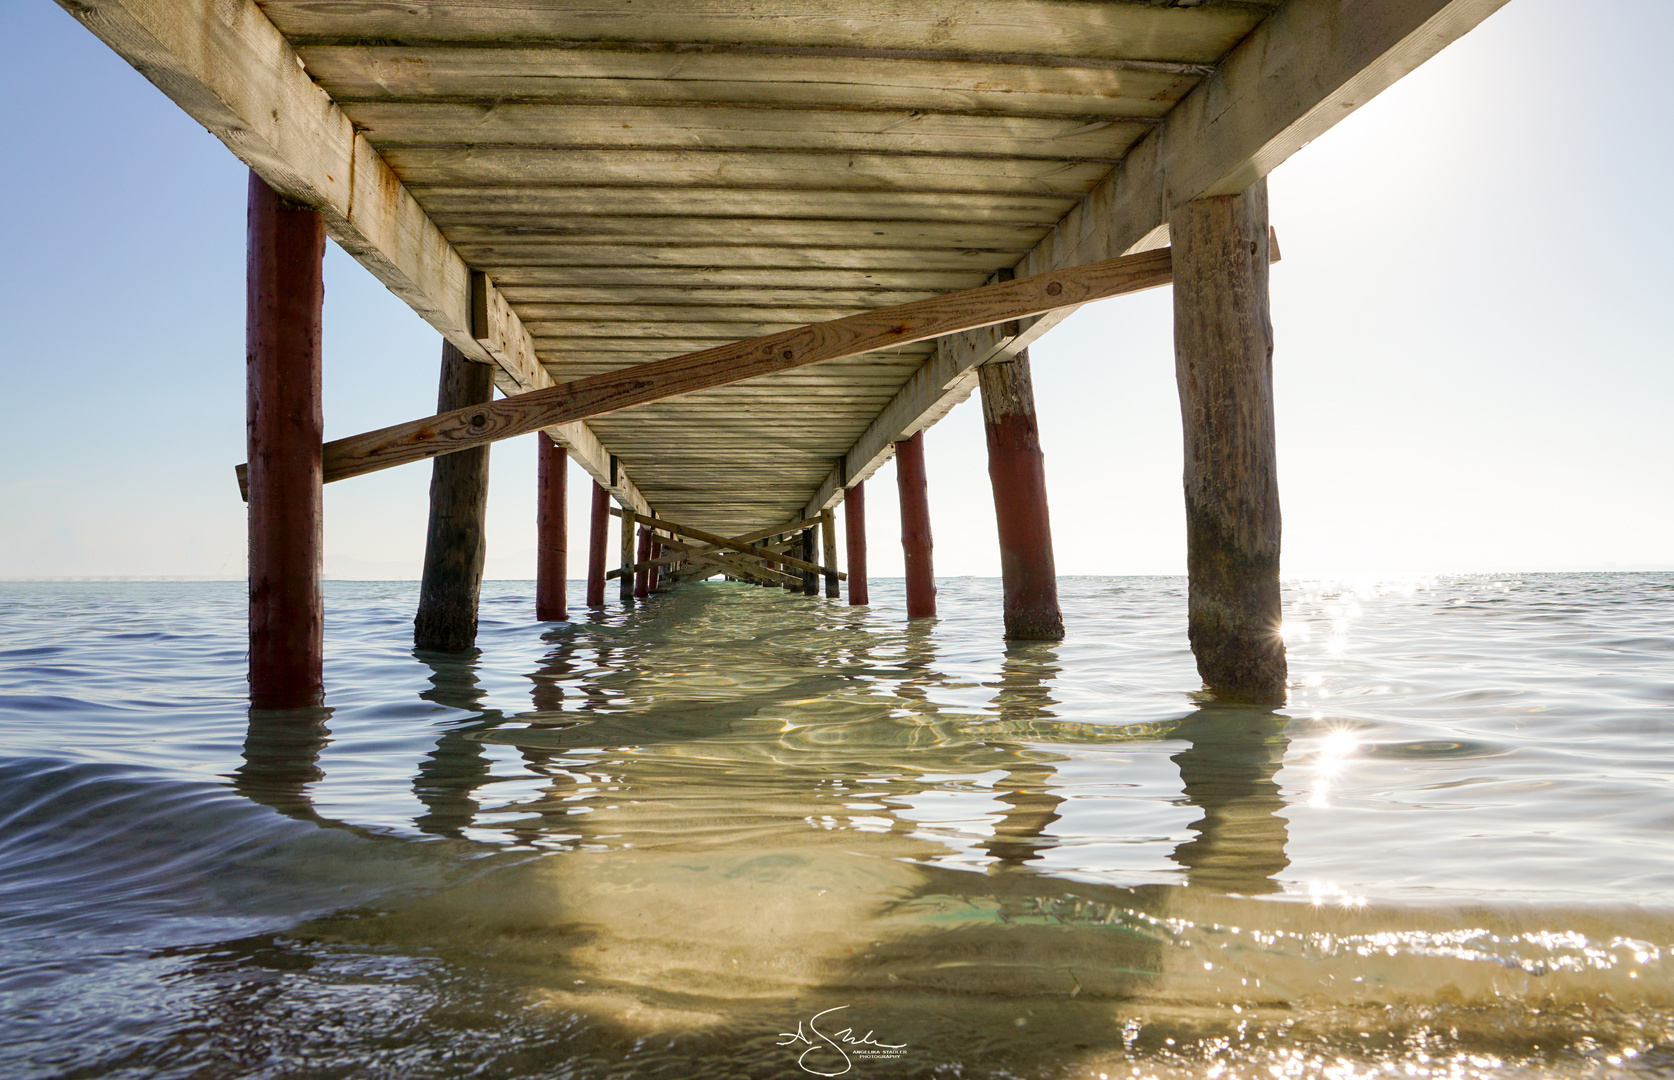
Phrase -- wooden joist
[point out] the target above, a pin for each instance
(742, 548)
(685, 552)
(883, 328)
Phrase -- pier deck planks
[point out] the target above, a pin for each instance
(638, 181)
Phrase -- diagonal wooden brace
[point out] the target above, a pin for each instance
(641, 384)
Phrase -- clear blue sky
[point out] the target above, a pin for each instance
(1474, 364)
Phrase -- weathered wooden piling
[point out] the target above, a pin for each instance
(915, 527)
(828, 546)
(810, 580)
(598, 534)
(552, 532)
(284, 297)
(854, 541)
(1017, 473)
(655, 581)
(625, 539)
(642, 577)
(1223, 342)
(456, 542)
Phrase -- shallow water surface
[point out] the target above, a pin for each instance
(740, 833)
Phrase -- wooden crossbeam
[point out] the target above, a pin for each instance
(696, 552)
(685, 551)
(752, 358)
(628, 517)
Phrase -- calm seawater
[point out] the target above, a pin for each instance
(740, 833)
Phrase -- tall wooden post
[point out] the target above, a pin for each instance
(456, 544)
(552, 532)
(642, 578)
(598, 534)
(625, 581)
(828, 549)
(854, 541)
(794, 584)
(1017, 473)
(915, 527)
(1223, 346)
(284, 297)
(655, 581)
(810, 580)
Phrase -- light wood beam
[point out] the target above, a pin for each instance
(881, 328)
(746, 549)
(230, 69)
(1307, 66)
(689, 552)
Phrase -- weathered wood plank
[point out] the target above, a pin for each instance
(938, 281)
(419, 439)
(504, 253)
(736, 201)
(655, 229)
(410, 124)
(583, 299)
(494, 165)
(629, 72)
(1067, 28)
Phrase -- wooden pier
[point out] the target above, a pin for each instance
(730, 259)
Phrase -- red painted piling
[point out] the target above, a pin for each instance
(285, 293)
(854, 541)
(642, 578)
(915, 527)
(552, 526)
(1017, 472)
(598, 534)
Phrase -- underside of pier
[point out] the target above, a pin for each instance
(582, 195)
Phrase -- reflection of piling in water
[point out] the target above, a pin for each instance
(281, 758)
(1024, 695)
(1228, 771)
(449, 775)
(557, 667)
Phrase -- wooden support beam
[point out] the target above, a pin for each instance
(552, 527)
(828, 542)
(915, 527)
(657, 579)
(1223, 346)
(625, 582)
(642, 577)
(684, 552)
(854, 526)
(284, 295)
(457, 541)
(722, 542)
(598, 532)
(1017, 473)
(641, 384)
(810, 580)
(1303, 69)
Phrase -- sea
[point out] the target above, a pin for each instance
(734, 832)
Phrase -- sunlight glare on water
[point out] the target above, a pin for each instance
(736, 832)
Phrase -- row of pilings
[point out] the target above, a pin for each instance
(1223, 358)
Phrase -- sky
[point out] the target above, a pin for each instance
(1474, 370)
